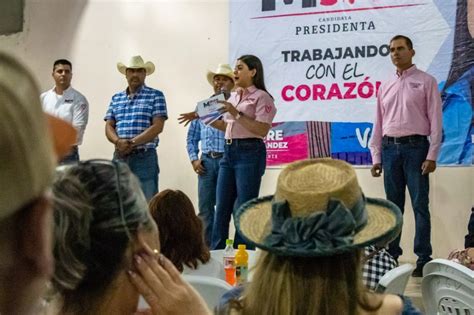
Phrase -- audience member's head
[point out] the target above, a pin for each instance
(181, 232)
(101, 219)
(27, 163)
(311, 233)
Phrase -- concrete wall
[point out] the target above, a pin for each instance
(183, 39)
(11, 16)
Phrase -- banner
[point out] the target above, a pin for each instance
(324, 61)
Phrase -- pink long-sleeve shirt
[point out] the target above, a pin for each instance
(408, 104)
(253, 103)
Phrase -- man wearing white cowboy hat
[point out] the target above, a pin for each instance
(212, 147)
(135, 118)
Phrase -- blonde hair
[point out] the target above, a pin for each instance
(307, 285)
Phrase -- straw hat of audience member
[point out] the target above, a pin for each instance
(136, 62)
(222, 69)
(318, 209)
(30, 141)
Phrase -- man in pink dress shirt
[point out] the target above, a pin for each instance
(408, 114)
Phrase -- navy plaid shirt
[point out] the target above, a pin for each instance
(133, 115)
(212, 139)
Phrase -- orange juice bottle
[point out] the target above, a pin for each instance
(241, 265)
(229, 262)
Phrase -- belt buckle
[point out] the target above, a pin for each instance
(396, 140)
(214, 155)
(228, 141)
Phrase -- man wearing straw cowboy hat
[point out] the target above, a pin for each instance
(135, 118)
(212, 147)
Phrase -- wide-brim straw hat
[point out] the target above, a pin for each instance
(222, 69)
(318, 209)
(136, 62)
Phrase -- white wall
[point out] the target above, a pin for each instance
(183, 39)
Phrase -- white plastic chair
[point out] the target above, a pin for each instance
(447, 288)
(211, 289)
(213, 268)
(395, 281)
(218, 254)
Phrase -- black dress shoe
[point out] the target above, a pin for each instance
(418, 272)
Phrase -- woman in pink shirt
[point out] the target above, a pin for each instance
(249, 114)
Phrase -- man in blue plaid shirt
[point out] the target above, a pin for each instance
(135, 118)
(212, 148)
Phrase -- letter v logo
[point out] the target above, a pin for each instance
(363, 141)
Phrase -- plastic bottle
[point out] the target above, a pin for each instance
(241, 265)
(229, 262)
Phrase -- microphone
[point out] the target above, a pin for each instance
(225, 93)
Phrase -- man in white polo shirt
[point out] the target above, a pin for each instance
(66, 103)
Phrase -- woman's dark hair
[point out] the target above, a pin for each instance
(253, 62)
(180, 229)
(91, 231)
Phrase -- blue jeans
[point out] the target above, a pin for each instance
(207, 184)
(72, 157)
(240, 174)
(402, 168)
(144, 164)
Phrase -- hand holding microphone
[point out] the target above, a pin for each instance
(224, 92)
